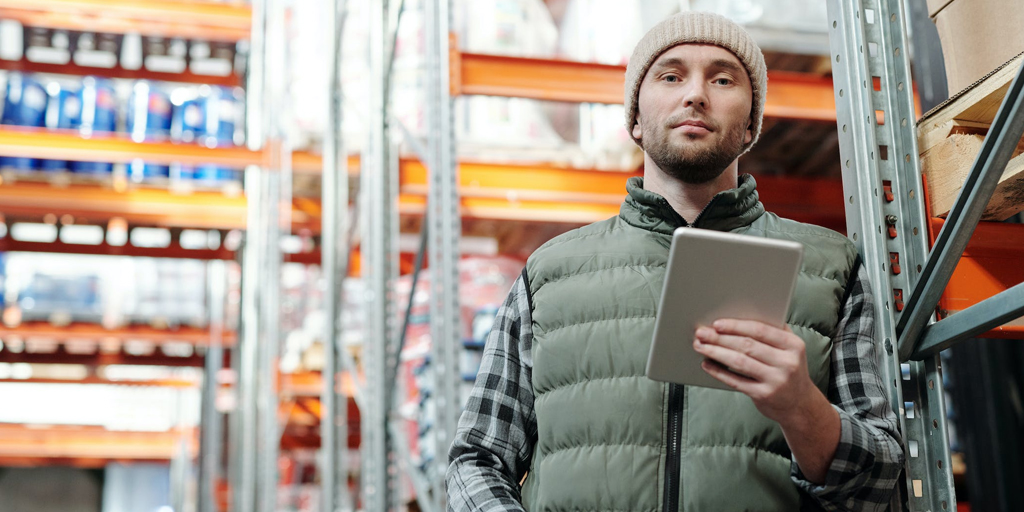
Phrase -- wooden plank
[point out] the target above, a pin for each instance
(946, 165)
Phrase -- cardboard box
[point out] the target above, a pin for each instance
(977, 37)
(934, 6)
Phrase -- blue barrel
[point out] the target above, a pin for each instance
(209, 120)
(99, 115)
(148, 119)
(24, 105)
(63, 111)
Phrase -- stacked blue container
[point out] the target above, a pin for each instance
(209, 120)
(24, 105)
(98, 115)
(148, 119)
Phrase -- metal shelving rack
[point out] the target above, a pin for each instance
(887, 221)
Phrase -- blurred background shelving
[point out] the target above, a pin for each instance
(162, 169)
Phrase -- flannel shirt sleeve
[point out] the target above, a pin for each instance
(869, 459)
(498, 429)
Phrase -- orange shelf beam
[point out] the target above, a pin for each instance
(790, 95)
(992, 262)
(82, 446)
(189, 19)
(118, 148)
(165, 383)
(141, 206)
(79, 332)
(310, 384)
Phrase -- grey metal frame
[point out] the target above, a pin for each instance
(1000, 143)
(334, 261)
(211, 432)
(868, 41)
(380, 229)
(445, 229)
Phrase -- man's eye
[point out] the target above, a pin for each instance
(723, 81)
(671, 78)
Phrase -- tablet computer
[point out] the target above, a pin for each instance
(713, 275)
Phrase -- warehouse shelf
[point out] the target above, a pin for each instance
(790, 95)
(175, 250)
(30, 142)
(26, 66)
(190, 19)
(100, 358)
(88, 446)
(992, 263)
(162, 383)
(138, 206)
(310, 384)
(552, 193)
(82, 332)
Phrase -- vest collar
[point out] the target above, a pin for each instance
(728, 210)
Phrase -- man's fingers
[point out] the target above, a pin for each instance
(774, 336)
(737, 382)
(750, 347)
(735, 361)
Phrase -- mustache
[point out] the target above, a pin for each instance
(678, 119)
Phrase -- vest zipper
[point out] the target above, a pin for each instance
(673, 461)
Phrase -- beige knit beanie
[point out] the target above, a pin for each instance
(697, 27)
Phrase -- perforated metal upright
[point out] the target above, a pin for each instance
(334, 261)
(445, 229)
(886, 220)
(379, 223)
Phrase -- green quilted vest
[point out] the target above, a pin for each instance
(604, 430)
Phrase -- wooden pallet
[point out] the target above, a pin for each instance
(950, 137)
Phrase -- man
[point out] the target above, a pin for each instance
(562, 397)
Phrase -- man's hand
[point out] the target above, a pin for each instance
(769, 365)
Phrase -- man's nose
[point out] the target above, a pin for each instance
(696, 95)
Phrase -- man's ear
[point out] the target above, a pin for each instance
(638, 132)
(749, 135)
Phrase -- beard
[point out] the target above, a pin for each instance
(688, 162)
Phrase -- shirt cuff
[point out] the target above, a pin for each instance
(851, 467)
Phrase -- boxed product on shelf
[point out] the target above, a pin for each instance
(109, 290)
(977, 37)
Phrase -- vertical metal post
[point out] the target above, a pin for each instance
(211, 436)
(445, 229)
(244, 458)
(886, 220)
(244, 490)
(380, 265)
(276, 204)
(334, 257)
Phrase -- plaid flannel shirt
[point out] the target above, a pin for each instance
(497, 431)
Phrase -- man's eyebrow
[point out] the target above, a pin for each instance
(671, 62)
(726, 65)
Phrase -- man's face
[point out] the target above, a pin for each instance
(694, 111)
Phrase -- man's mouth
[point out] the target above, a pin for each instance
(692, 126)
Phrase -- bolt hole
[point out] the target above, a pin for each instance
(935, 423)
(919, 268)
(837, 58)
(915, 231)
(855, 237)
(835, 24)
(911, 194)
(851, 199)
